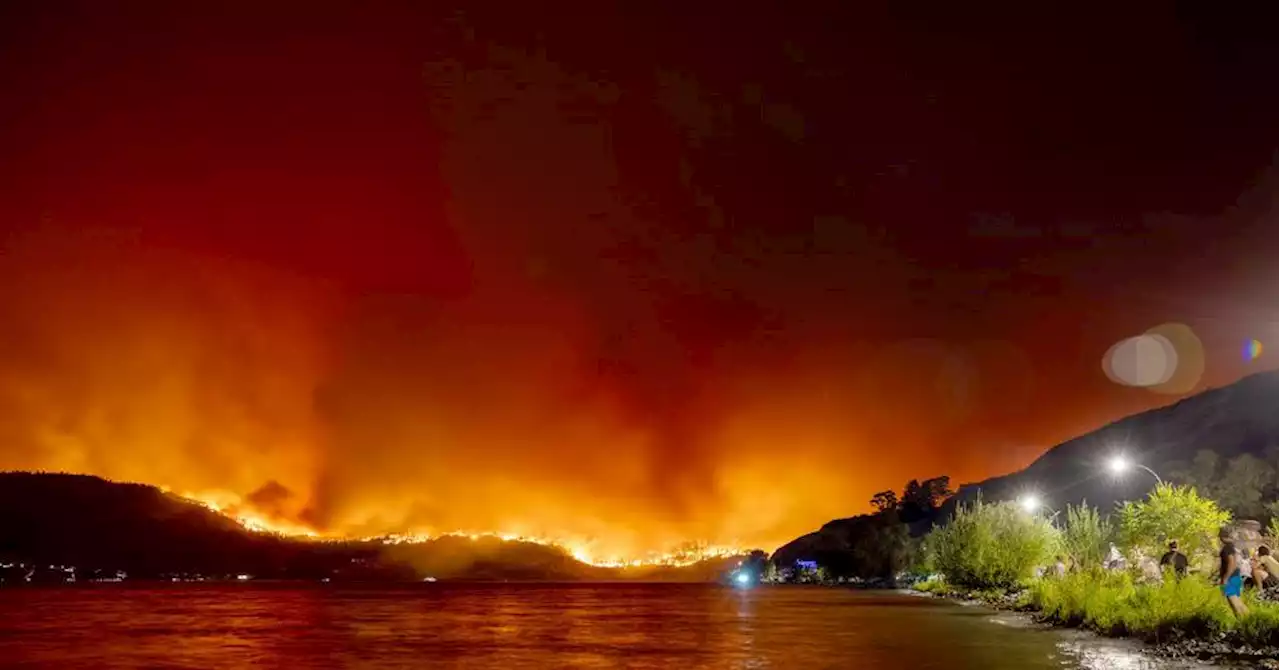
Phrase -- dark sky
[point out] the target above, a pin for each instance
(628, 273)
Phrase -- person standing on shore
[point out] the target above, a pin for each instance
(1229, 577)
(1174, 559)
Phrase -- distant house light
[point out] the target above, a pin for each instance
(807, 565)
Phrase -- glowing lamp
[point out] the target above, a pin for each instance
(1029, 503)
(1118, 465)
(743, 578)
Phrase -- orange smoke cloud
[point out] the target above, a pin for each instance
(544, 315)
(290, 400)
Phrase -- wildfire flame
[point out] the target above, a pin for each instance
(232, 507)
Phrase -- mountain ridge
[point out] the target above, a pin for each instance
(101, 526)
(1230, 420)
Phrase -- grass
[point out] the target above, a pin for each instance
(939, 586)
(1112, 604)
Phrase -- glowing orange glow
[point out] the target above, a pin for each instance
(309, 409)
(233, 507)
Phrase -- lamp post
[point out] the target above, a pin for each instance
(1118, 465)
(1029, 503)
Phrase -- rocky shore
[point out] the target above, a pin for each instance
(1222, 649)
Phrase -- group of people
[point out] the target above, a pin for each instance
(1236, 570)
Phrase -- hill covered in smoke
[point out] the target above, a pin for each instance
(101, 527)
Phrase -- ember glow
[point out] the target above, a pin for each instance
(585, 551)
(418, 271)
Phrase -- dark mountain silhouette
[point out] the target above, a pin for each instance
(1240, 418)
(1232, 420)
(102, 526)
(92, 523)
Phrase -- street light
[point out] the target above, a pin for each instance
(1030, 503)
(1118, 465)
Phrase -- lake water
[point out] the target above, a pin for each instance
(234, 626)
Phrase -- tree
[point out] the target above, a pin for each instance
(884, 501)
(920, 500)
(1086, 537)
(755, 563)
(1245, 487)
(937, 490)
(1201, 472)
(1172, 513)
(991, 545)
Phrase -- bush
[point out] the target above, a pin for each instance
(991, 545)
(1261, 626)
(1172, 513)
(932, 585)
(1086, 537)
(1112, 604)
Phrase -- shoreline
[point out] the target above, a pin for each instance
(1219, 651)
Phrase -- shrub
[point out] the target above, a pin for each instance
(1112, 604)
(1172, 513)
(1261, 626)
(1086, 537)
(991, 545)
(932, 585)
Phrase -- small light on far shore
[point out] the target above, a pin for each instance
(743, 579)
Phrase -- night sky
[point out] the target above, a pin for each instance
(633, 274)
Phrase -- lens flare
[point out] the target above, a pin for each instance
(1252, 350)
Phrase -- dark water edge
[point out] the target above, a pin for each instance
(1194, 653)
(529, 625)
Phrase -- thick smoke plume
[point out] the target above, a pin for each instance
(371, 273)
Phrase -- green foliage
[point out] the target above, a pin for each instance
(934, 585)
(1261, 626)
(1086, 537)
(991, 545)
(1273, 529)
(868, 547)
(1172, 513)
(1110, 603)
(1245, 485)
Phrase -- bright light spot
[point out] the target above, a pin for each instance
(1030, 503)
(743, 578)
(1118, 465)
(1145, 360)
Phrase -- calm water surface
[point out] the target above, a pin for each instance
(519, 626)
